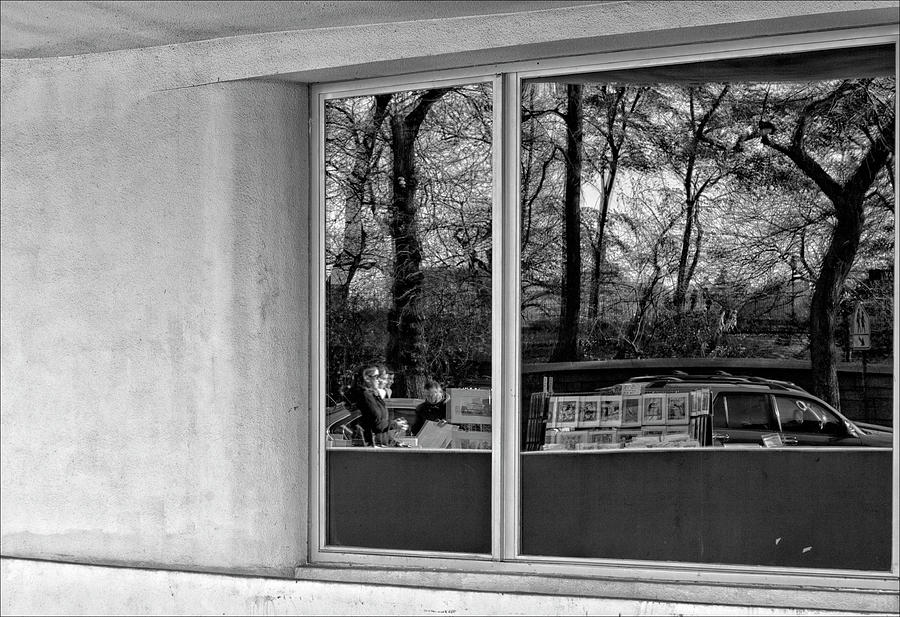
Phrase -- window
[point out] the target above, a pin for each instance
(556, 235)
(743, 411)
(665, 215)
(408, 244)
(805, 416)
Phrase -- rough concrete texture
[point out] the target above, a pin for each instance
(69, 28)
(370, 50)
(92, 590)
(154, 323)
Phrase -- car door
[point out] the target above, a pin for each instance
(805, 422)
(742, 417)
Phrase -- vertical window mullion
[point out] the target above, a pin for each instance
(895, 497)
(498, 361)
(507, 119)
(317, 324)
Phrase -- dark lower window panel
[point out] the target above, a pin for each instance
(818, 509)
(429, 501)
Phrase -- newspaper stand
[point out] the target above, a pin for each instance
(628, 417)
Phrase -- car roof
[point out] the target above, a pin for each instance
(718, 379)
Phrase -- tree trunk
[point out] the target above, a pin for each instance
(848, 200)
(826, 297)
(698, 245)
(566, 348)
(632, 333)
(406, 342)
(599, 246)
(682, 282)
(622, 113)
(692, 196)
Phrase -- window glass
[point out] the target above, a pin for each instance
(748, 411)
(680, 233)
(800, 415)
(408, 413)
(720, 414)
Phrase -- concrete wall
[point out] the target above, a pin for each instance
(154, 344)
(391, 49)
(40, 588)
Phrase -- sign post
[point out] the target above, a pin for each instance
(861, 340)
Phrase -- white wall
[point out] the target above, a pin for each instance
(154, 344)
(379, 49)
(47, 588)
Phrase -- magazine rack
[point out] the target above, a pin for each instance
(624, 416)
(535, 428)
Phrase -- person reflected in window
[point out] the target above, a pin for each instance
(387, 382)
(434, 407)
(374, 418)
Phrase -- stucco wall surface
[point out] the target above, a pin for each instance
(153, 340)
(372, 50)
(54, 588)
(78, 27)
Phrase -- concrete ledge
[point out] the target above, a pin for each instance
(687, 593)
(42, 587)
(371, 50)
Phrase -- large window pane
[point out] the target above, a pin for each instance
(408, 411)
(695, 241)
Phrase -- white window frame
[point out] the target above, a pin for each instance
(506, 557)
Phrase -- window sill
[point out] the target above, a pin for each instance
(870, 594)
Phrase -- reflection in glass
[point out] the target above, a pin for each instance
(408, 242)
(408, 201)
(679, 224)
(664, 216)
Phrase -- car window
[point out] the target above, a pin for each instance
(800, 415)
(719, 418)
(742, 411)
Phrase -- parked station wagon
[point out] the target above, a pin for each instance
(745, 408)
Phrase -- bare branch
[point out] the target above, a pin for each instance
(873, 161)
(417, 115)
(808, 166)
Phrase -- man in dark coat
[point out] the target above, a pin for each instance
(374, 417)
